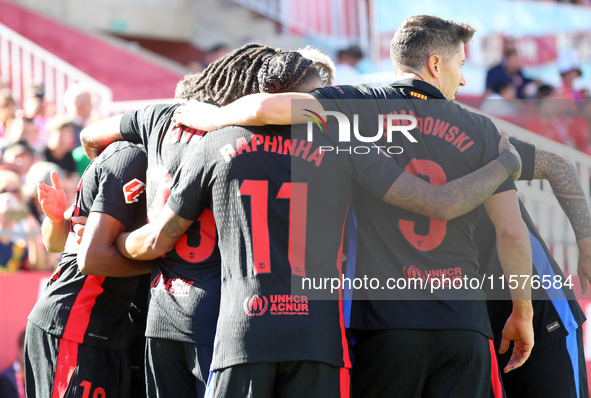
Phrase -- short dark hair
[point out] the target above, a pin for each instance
(286, 72)
(353, 51)
(509, 52)
(501, 85)
(421, 36)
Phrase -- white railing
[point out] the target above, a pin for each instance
(23, 63)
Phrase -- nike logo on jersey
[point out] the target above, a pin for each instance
(132, 190)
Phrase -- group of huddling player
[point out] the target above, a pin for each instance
(237, 217)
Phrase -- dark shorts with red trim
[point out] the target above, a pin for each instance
(176, 369)
(554, 370)
(298, 379)
(59, 368)
(413, 363)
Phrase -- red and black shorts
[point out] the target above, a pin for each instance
(297, 379)
(59, 368)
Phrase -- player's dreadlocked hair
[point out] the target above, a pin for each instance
(228, 78)
(286, 72)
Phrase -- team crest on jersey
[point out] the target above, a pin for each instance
(256, 305)
(132, 190)
(175, 286)
(56, 275)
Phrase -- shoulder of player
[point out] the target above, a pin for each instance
(227, 134)
(159, 109)
(342, 91)
(133, 155)
(153, 113)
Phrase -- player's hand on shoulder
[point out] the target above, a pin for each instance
(52, 199)
(78, 225)
(505, 145)
(197, 115)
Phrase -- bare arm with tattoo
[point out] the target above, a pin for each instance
(564, 180)
(459, 196)
(154, 239)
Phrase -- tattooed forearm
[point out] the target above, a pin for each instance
(567, 188)
(559, 172)
(173, 229)
(448, 201)
(577, 211)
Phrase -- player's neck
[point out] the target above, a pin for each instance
(401, 75)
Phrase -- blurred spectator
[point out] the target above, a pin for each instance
(13, 249)
(60, 143)
(18, 156)
(544, 91)
(12, 380)
(347, 59)
(509, 70)
(502, 101)
(322, 62)
(7, 108)
(80, 159)
(35, 108)
(213, 53)
(78, 102)
(570, 72)
(10, 183)
(551, 122)
(23, 129)
(21, 243)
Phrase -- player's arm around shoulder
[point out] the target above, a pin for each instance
(514, 250)
(98, 254)
(459, 196)
(155, 238)
(250, 110)
(117, 203)
(96, 137)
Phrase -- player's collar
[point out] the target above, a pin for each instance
(421, 85)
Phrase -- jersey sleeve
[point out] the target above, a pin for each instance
(341, 92)
(341, 99)
(189, 193)
(136, 127)
(121, 182)
(527, 152)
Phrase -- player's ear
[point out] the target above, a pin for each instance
(434, 65)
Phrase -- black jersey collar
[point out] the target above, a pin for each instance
(421, 85)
